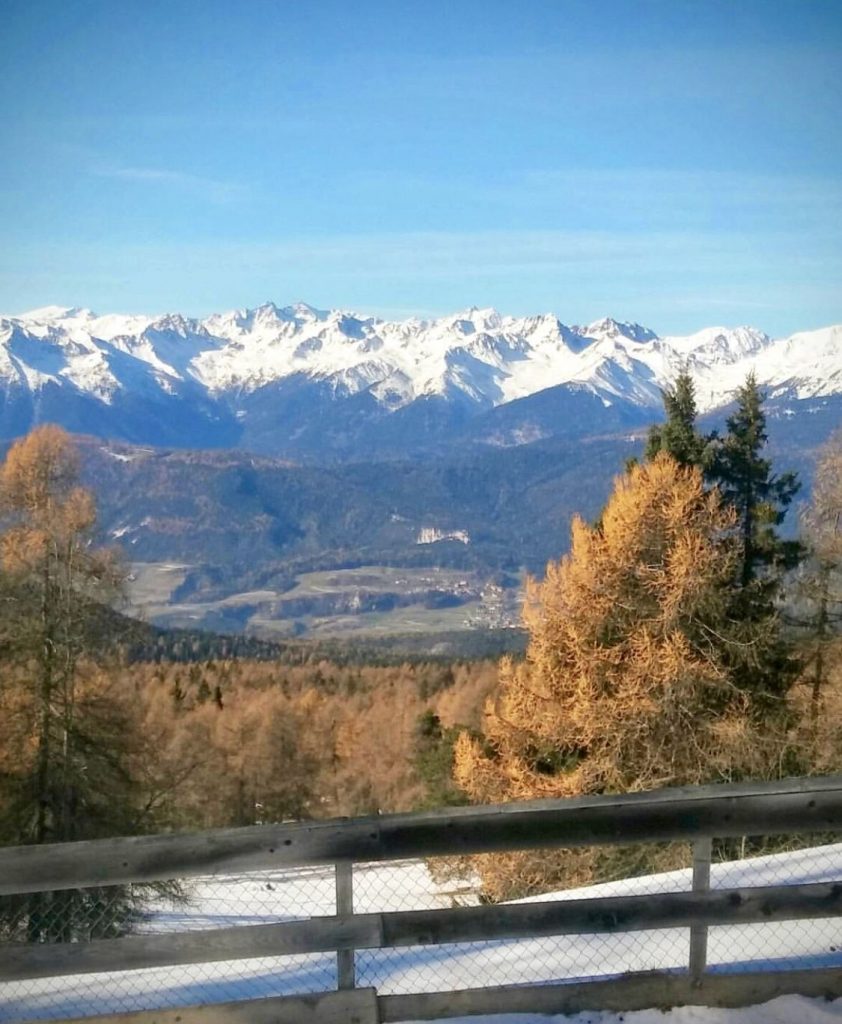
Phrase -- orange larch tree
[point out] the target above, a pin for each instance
(626, 683)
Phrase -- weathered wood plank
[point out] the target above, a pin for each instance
(356, 1007)
(316, 935)
(653, 989)
(429, 927)
(345, 965)
(612, 914)
(702, 850)
(630, 819)
(184, 855)
(791, 806)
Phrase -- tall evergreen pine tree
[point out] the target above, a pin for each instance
(678, 436)
(760, 499)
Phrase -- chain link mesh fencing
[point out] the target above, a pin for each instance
(273, 896)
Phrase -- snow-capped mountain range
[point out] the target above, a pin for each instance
(298, 379)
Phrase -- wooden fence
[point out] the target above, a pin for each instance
(696, 815)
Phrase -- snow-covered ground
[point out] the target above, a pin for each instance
(785, 1010)
(272, 896)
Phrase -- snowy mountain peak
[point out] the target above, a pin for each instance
(476, 358)
(607, 327)
(304, 311)
(175, 323)
(487, 319)
(721, 344)
(266, 312)
(49, 314)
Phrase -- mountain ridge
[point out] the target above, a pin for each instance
(298, 380)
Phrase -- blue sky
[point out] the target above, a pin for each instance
(676, 162)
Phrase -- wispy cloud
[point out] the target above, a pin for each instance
(208, 188)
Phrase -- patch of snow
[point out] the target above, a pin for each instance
(120, 456)
(432, 535)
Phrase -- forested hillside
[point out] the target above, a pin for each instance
(684, 609)
(235, 510)
(222, 524)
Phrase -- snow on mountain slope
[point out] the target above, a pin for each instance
(808, 364)
(33, 354)
(476, 357)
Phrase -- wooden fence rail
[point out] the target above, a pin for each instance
(393, 930)
(690, 814)
(792, 806)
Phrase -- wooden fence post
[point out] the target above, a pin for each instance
(345, 970)
(699, 932)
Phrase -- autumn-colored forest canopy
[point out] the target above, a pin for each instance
(93, 745)
(681, 640)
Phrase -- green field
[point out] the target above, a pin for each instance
(327, 604)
